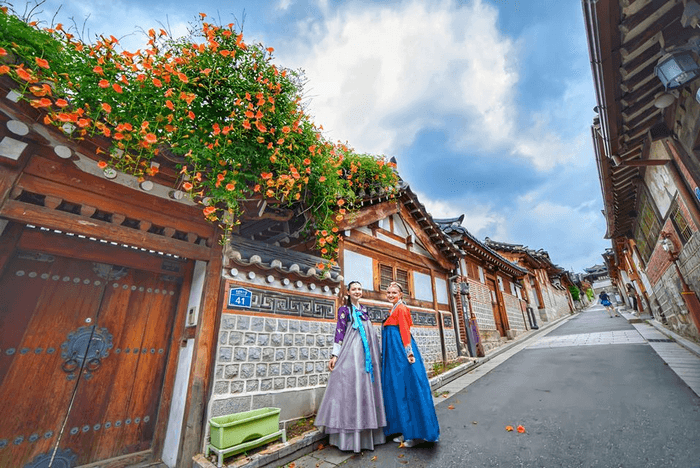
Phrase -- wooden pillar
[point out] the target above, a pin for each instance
(202, 361)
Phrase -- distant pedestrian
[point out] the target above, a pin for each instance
(352, 409)
(605, 301)
(407, 397)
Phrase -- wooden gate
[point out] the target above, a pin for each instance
(501, 322)
(84, 340)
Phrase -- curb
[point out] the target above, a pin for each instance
(686, 343)
(282, 453)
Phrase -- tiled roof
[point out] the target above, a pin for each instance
(246, 252)
(461, 235)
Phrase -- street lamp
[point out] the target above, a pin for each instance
(677, 69)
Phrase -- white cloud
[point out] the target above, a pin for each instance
(480, 220)
(285, 4)
(380, 75)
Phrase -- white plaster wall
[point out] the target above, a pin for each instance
(357, 267)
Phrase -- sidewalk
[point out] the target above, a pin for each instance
(681, 354)
(302, 450)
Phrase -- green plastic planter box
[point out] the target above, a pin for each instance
(235, 433)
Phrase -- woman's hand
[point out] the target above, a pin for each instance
(331, 363)
(411, 359)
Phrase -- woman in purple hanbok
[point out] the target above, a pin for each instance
(352, 410)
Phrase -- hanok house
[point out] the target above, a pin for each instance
(278, 314)
(496, 297)
(645, 61)
(398, 240)
(546, 285)
(108, 304)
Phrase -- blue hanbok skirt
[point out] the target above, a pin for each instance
(408, 401)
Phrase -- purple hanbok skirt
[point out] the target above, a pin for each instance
(352, 410)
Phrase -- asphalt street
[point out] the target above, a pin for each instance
(591, 393)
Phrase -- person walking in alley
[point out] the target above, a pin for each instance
(605, 301)
(408, 400)
(352, 409)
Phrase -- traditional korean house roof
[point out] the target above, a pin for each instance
(597, 269)
(461, 236)
(626, 40)
(376, 206)
(538, 258)
(246, 252)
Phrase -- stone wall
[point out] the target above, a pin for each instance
(481, 306)
(515, 313)
(666, 302)
(281, 360)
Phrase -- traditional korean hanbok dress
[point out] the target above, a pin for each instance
(408, 399)
(352, 409)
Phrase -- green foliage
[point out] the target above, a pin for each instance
(575, 292)
(589, 294)
(232, 117)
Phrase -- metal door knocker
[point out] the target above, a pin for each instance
(91, 344)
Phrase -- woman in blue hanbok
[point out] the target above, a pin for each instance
(408, 401)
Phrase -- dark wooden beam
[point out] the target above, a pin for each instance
(645, 162)
(69, 222)
(368, 215)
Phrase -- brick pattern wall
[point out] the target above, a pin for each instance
(481, 305)
(451, 344)
(515, 315)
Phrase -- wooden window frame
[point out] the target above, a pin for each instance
(647, 227)
(395, 269)
(680, 223)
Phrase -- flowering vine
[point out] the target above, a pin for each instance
(218, 105)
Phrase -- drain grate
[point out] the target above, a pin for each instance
(660, 340)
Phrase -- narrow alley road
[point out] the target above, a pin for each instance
(591, 393)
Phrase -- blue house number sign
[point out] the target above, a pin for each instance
(239, 297)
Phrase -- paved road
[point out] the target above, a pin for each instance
(591, 393)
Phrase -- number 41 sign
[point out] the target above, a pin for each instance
(239, 297)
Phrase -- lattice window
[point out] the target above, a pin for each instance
(388, 273)
(680, 223)
(648, 227)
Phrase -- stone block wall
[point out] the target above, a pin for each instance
(260, 354)
(450, 335)
(481, 306)
(515, 313)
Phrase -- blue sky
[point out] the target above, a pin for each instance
(485, 104)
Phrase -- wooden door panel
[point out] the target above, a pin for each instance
(45, 299)
(122, 399)
(495, 307)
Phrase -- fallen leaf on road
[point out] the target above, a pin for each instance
(474, 422)
(401, 456)
(445, 395)
(374, 458)
(318, 464)
(320, 446)
(292, 465)
(401, 445)
(509, 428)
(521, 429)
(451, 407)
